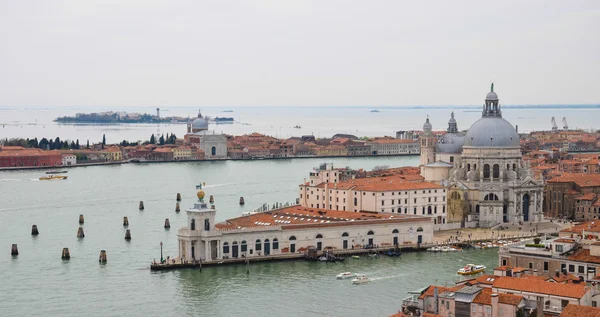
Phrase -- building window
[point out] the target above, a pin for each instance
(257, 246)
(444, 209)
(275, 244)
(571, 268)
(594, 304)
(504, 262)
(581, 269)
(496, 171)
(355, 201)
(531, 265)
(546, 266)
(225, 247)
(206, 224)
(486, 171)
(451, 159)
(244, 246)
(558, 248)
(415, 210)
(383, 203)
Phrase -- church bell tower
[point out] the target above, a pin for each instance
(427, 144)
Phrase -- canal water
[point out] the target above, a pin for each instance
(39, 282)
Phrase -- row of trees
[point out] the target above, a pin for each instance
(170, 139)
(45, 144)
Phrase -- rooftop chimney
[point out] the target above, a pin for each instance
(557, 273)
(495, 307)
(535, 272)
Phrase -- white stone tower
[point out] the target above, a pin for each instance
(427, 144)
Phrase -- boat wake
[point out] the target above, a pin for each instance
(10, 180)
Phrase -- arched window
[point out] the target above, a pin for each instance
(455, 195)
(435, 209)
(477, 209)
(370, 233)
(415, 210)
(193, 224)
(244, 246)
(345, 234)
(319, 236)
(475, 167)
(257, 246)
(468, 167)
(496, 170)
(514, 167)
(507, 167)
(213, 151)
(444, 209)
(419, 229)
(292, 238)
(486, 171)
(355, 201)
(429, 210)
(423, 210)
(225, 247)
(395, 231)
(491, 196)
(275, 244)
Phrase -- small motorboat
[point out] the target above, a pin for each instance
(393, 253)
(470, 269)
(323, 259)
(373, 255)
(345, 275)
(356, 257)
(52, 177)
(361, 280)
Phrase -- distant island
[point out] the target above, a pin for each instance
(110, 117)
(223, 120)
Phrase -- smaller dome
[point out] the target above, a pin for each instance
(491, 96)
(200, 124)
(427, 125)
(200, 194)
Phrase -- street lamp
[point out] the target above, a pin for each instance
(161, 257)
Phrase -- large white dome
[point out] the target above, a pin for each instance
(200, 124)
(492, 132)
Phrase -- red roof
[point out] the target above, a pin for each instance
(485, 298)
(384, 184)
(541, 287)
(583, 255)
(573, 310)
(314, 217)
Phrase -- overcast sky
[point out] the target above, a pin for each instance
(284, 52)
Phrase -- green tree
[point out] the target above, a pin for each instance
(103, 140)
(77, 144)
(161, 140)
(152, 139)
(88, 144)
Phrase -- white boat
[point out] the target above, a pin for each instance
(470, 269)
(361, 280)
(323, 259)
(345, 275)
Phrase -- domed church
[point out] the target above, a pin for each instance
(214, 145)
(488, 182)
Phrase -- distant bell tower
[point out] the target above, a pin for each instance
(427, 144)
(158, 113)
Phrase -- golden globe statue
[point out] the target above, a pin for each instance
(200, 194)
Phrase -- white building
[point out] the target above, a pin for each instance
(399, 192)
(69, 159)
(293, 230)
(213, 144)
(488, 182)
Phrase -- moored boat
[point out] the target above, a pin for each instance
(52, 177)
(356, 257)
(361, 280)
(345, 275)
(471, 269)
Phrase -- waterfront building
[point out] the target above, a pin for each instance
(293, 229)
(68, 159)
(573, 196)
(393, 146)
(576, 252)
(500, 296)
(18, 156)
(331, 150)
(400, 191)
(113, 153)
(488, 182)
(212, 144)
(161, 154)
(182, 153)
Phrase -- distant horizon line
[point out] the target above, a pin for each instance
(509, 106)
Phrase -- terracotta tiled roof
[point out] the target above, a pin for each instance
(582, 180)
(564, 240)
(295, 216)
(573, 310)
(590, 226)
(399, 314)
(564, 278)
(485, 298)
(387, 183)
(583, 255)
(588, 196)
(429, 291)
(28, 152)
(541, 287)
(431, 315)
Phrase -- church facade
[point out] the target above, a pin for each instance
(488, 182)
(213, 145)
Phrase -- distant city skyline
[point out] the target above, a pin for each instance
(297, 53)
